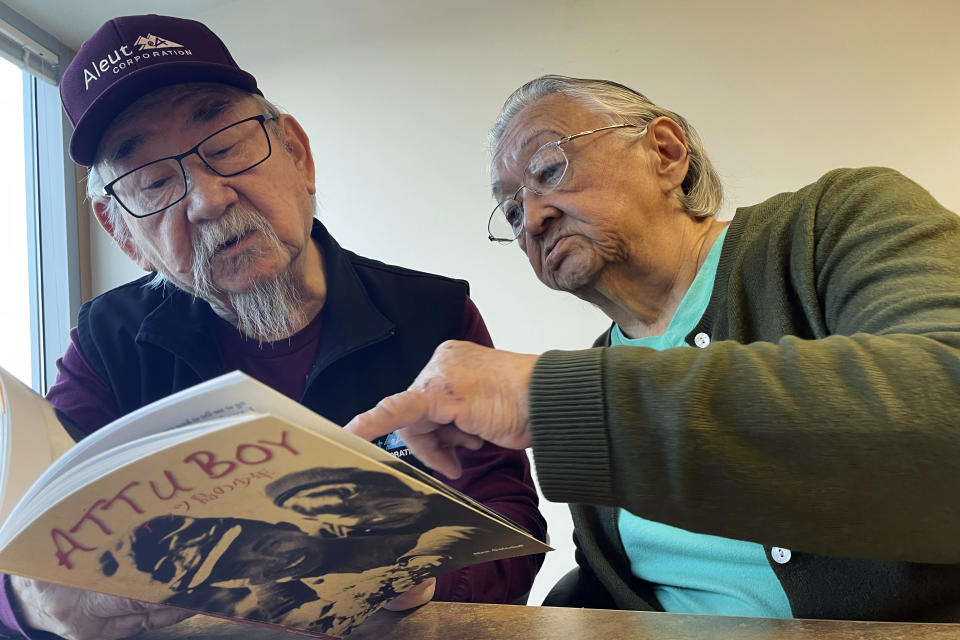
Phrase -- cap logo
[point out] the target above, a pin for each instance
(148, 46)
(151, 41)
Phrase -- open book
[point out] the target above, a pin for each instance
(231, 499)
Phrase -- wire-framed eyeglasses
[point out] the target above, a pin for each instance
(544, 172)
(160, 184)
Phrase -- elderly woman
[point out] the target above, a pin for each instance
(802, 458)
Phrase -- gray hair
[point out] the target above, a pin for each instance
(702, 189)
(96, 182)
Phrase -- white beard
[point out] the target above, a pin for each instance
(269, 310)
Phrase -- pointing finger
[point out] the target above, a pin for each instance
(391, 413)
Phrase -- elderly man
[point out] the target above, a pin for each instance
(203, 181)
(801, 460)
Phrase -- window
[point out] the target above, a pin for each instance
(39, 262)
(15, 351)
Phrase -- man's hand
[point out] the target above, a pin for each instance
(85, 615)
(466, 394)
(420, 594)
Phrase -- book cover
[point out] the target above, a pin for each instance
(244, 514)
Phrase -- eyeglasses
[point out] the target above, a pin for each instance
(158, 185)
(545, 170)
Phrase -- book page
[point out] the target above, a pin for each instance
(31, 438)
(217, 398)
(230, 394)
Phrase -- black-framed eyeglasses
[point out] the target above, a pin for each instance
(160, 184)
(544, 172)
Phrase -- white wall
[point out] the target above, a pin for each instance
(397, 98)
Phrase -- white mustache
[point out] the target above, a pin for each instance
(211, 236)
(235, 224)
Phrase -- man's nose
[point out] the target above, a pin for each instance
(209, 195)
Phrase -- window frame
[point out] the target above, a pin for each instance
(52, 215)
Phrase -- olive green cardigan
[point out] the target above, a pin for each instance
(823, 415)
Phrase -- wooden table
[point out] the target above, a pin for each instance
(450, 621)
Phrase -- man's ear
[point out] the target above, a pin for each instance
(298, 146)
(673, 158)
(121, 236)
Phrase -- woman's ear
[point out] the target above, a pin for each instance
(673, 158)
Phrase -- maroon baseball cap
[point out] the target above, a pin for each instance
(130, 56)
